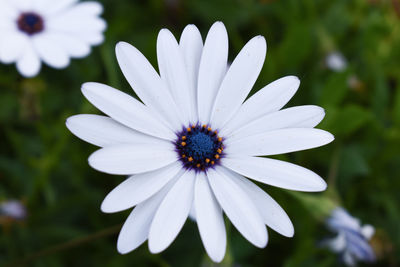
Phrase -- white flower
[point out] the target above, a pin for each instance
(12, 209)
(336, 61)
(351, 241)
(193, 140)
(51, 31)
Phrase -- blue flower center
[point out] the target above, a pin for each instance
(199, 147)
(30, 23)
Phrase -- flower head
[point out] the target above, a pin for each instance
(51, 31)
(336, 61)
(195, 138)
(12, 209)
(352, 239)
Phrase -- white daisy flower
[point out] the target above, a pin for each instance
(336, 61)
(351, 242)
(13, 209)
(194, 140)
(51, 31)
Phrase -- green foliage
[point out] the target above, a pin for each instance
(43, 165)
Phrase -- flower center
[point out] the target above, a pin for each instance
(30, 23)
(199, 147)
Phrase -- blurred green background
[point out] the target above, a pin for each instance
(45, 166)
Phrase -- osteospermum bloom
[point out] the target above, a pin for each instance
(351, 242)
(51, 31)
(12, 209)
(194, 140)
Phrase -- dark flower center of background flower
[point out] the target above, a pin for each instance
(30, 23)
(199, 147)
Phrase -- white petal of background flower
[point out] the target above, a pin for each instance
(278, 142)
(147, 84)
(125, 109)
(238, 81)
(295, 117)
(50, 52)
(191, 45)
(28, 63)
(172, 213)
(136, 228)
(269, 99)
(138, 188)
(103, 131)
(213, 66)
(275, 172)
(273, 215)
(238, 206)
(73, 46)
(132, 159)
(173, 72)
(13, 46)
(209, 219)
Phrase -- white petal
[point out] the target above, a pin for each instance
(126, 110)
(138, 188)
(173, 71)
(132, 159)
(22, 5)
(172, 213)
(136, 228)
(70, 22)
(85, 9)
(191, 45)
(238, 207)
(238, 81)
(147, 84)
(295, 117)
(276, 173)
(209, 219)
(50, 52)
(13, 46)
(8, 12)
(74, 46)
(103, 131)
(279, 142)
(51, 6)
(212, 69)
(273, 215)
(269, 99)
(367, 231)
(29, 63)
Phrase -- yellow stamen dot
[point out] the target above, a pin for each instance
(204, 126)
(208, 160)
(184, 137)
(193, 126)
(190, 159)
(216, 156)
(212, 162)
(198, 165)
(183, 143)
(215, 132)
(183, 156)
(188, 129)
(209, 129)
(219, 151)
(219, 139)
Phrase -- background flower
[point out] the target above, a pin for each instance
(32, 31)
(352, 240)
